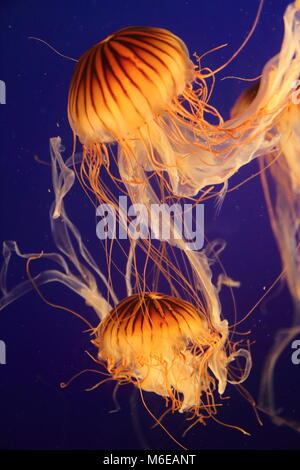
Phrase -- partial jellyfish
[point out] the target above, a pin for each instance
(165, 345)
(179, 349)
(129, 89)
(137, 99)
(280, 176)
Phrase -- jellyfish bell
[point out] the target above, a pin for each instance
(163, 344)
(125, 81)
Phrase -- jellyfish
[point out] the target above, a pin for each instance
(141, 110)
(280, 176)
(165, 345)
(137, 100)
(180, 349)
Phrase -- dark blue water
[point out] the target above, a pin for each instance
(45, 346)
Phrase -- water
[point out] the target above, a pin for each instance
(45, 346)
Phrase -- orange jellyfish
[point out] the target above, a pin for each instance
(281, 184)
(280, 175)
(139, 89)
(165, 345)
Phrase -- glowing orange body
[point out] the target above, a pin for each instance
(163, 344)
(124, 81)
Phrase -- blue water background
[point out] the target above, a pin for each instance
(45, 346)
